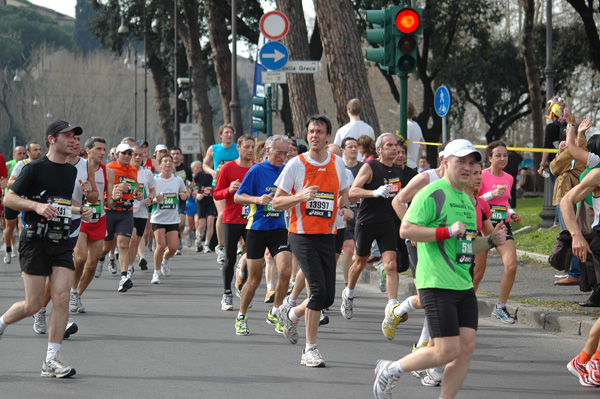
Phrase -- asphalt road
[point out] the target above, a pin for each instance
(173, 341)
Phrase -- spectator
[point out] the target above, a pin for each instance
(355, 128)
(526, 181)
(423, 164)
(366, 147)
(414, 134)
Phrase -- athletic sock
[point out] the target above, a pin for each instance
(405, 307)
(395, 369)
(596, 355)
(392, 302)
(292, 302)
(270, 286)
(424, 334)
(240, 314)
(309, 347)
(53, 349)
(9, 249)
(584, 357)
(3, 325)
(123, 274)
(274, 311)
(73, 290)
(349, 293)
(501, 305)
(293, 316)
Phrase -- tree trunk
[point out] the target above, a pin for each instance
(219, 43)
(347, 72)
(586, 12)
(160, 78)
(286, 110)
(302, 93)
(533, 78)
(187, 30)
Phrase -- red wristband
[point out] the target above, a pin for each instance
(442, 233)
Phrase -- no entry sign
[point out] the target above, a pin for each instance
(274, 25)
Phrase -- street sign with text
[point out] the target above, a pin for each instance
(301, 67)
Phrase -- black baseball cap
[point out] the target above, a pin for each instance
(141, 142)
(60, 126)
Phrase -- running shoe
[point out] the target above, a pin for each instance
(7, 258)
(99, 268)
(391, 321)
(124, 284)
(227, 302)
(189, 239)
(324, 320)
(435, 374)
(291, 286)
(239, 282)
(347, 303)
(428, 381)
(312, 358)
(112, 266)
(272, 320)
(270, 296)
(580, 371)
(384, 381)
(419, 373)
(241, 325)
(55, 368)
(220, 250)
(503, 315)
(39, 322)
(143, 264)
(199, 247)
(70, 330)
(164, 268)
(178, 252)
(593, 370)
(382, 277)
(240, 248)
(130, 272)
(80, 308)
(73, 302)
(206, 249)
(155, 277)
(290, 330)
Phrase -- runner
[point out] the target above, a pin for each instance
(266, 229)
(11, 217)
(442, 220)
(182, 170)
(165, 220)
(48, 186)
(207, 211)
(377, 182)
(191, 213)
(217, 156)
(313, 185)
(495, 189)
(235, 216)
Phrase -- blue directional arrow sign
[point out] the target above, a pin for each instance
(442, 101)
(274, 55)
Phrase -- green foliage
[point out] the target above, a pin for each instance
(84, 41)
(22, 30)
(534, 241)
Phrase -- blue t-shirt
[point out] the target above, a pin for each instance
(260, 180)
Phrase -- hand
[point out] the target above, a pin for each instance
(515, 217)
(458, 229)
(264, 199)
(308, 193)
(159, 198)
(562, 146)
(214, 174)
(147, 202)
(86, 214)
(139, 195)
(233, 187)
(3, 182)
(124, 187)
(541, 170)
(499, 191)
(584, 125)
(117, 193)
(570, 118)
(580, 247)
(86, 187)
(46, 210)
(382, 191)
(346, 213)
(499, 234)
(183, 195)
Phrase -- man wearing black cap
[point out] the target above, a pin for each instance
(47, 184)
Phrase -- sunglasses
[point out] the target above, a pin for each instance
(130, 153)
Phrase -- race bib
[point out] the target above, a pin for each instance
(395, 186)
(206, 190)
(245, 211)
(269, 212)
(498, 213)
(464, 248)
(322, 206)
(96, 210)
(169, 202)
(130, 183)
(63, 206)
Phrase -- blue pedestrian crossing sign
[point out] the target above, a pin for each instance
(274, 55)
(442, 101)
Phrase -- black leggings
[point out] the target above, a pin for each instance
(232, 232)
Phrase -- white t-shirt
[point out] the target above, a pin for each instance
(167, 211)
(413, 133)
(146, 181)
(82, 174)
(354, 129)
(18, 168)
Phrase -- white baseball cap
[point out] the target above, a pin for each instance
(124, 147)
(160, 147)
(460, 148)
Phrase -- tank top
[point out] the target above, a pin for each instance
(221, 156)
(317, 216)
(596, 205)
(433, 176)
(379, 210)
(82, 174)
(124, 175)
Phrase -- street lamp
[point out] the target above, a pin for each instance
(17, 78)
(36, 102)
(49, 114)
(123, 29)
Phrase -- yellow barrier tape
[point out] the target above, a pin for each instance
(552, 151)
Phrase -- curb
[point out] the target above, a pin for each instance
(537, 317)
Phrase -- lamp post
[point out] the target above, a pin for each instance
(175, 116)
(234, 104)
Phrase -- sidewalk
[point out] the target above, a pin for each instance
(534, 282)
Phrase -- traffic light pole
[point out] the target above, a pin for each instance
(403, 104)
(269, 112)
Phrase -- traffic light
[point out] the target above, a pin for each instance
(406, 28)
(381, 35)
(260, 114)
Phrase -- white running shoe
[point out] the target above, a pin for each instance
(312, 358)
(39, 322)
(155, 277)
(130, 271)
(384, 381)
(7, 258)
(73, 302)
(55, 368)
(346, 307)
(164, 268)
(227, 302)
(99, 268)
(220, 250)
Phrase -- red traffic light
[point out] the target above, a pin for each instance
(408, 20)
